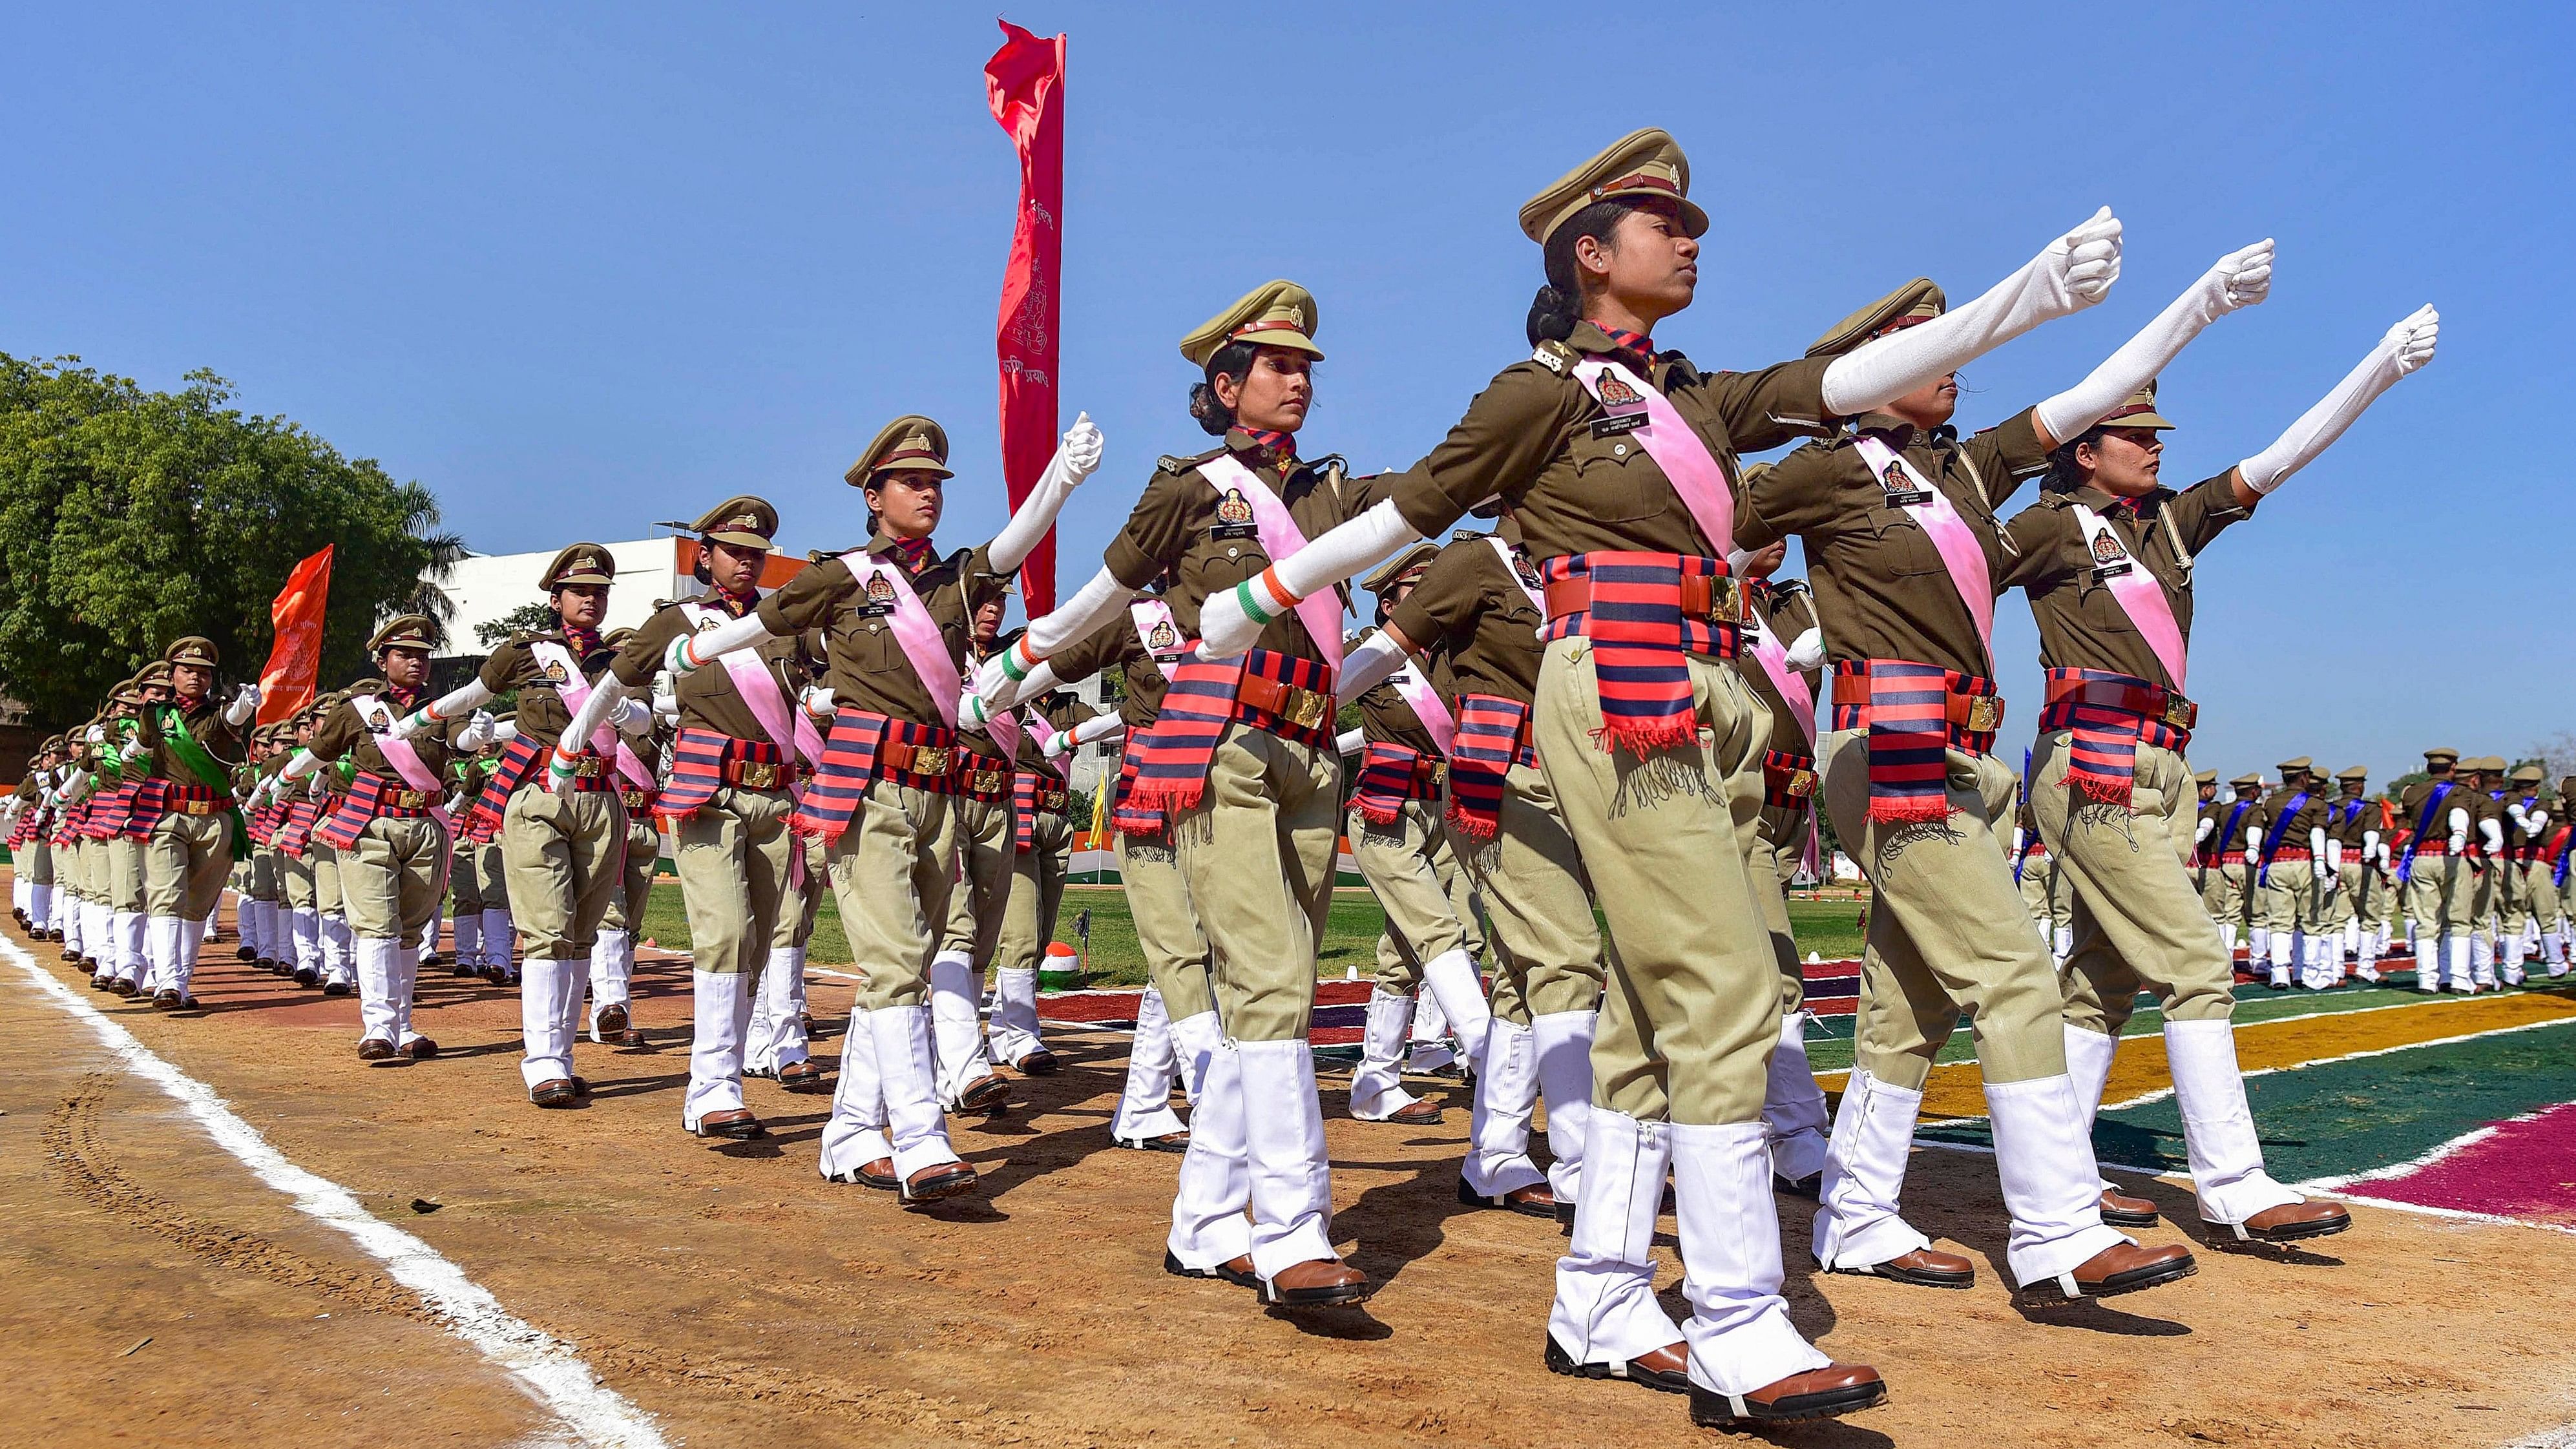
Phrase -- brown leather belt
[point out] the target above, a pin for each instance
(915, 759)
(1305, 708)
(759, 774)
(2149, 702)
(1718, 599)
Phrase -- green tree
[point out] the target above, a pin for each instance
(534, 618)
(129, 518)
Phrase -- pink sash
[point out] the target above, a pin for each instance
(1791, 684)
(1673, 443)
(1152, 618)
(576, 688)
(918, 634)
(1512, 570)
(2141, 596)
(1042, 732)
(1320, 611)
(399, 753)
(1426, 706)
(1960, 551)
(759, 690)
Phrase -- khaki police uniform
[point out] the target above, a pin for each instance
(189, 851)
(2291, 897)
(2439, 815)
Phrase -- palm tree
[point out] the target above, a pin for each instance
(441, 551)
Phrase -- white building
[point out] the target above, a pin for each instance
(487, 588)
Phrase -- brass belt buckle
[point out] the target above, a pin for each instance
(1725, 600)
(1802, 783)
(930, 760)
(1985, 714)
(756, 774)
(2180, 712)
(1305, 708)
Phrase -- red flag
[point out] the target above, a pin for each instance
(295, 660)
(1025, 80)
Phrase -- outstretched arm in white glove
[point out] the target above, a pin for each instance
(1368, 666)
(1002, 678)
(469, 696)
(1230, 621)
(2240, 279)
(244, 705)
(601, 708)
(1076, 458)
(2405, 348)
(2075, 272)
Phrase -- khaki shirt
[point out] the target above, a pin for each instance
(1880, 584)
(2349, 832)
(541, 714)
(205, 724)
(1530, 438)
(1178, 526)
(2081, 622)
(2410, 809)
(1114, 645)
(1386, 719)
(1784, 612)
(1471, 612)
(707, 696)
(866, 666)
(346, 734)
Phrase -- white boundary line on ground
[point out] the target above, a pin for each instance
(596, 1414)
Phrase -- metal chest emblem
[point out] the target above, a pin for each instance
(1616, 393)
(2110, 560)
(1233, 516)
(1163, 637)
(1900, 489)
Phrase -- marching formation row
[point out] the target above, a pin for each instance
(1606, 701)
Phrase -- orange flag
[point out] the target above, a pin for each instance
(295, 660)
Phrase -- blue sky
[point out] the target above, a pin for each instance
(583, 268)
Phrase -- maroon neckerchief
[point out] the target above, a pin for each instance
(737, 605)
(1279, 448)
(582, 641)
(912, 555)
(1636, 342)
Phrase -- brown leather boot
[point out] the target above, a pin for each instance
(2126, 1268)
(1924, 1268)
(1825, 1393)
(2120, 1210)
(2289, 1222)
(1666, 1370)
(1318, 1283)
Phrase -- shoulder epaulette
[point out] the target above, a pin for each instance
(1553, 355)
(1178, 463)
(1790, 588)
(1467, 535)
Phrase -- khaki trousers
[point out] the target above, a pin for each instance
(1779, 845)
(295, 880)
(2042, 894)
(2136, 918)
(492, 875)
(2290, 901)
(564, 855)
(1167, 930)
(328, 897)
(796, 909)
(462, 884)
(893, 871)
(260, 874)
(2438, 895)
(1430, 903)
(734, 855)
(2374, 898)
(391, 880)
(635, 874)
(984, 855)
(1948, 931)
(1257, 850)
(40, 862)
(1692, 1012)
(1036, 893)
(2485, 883)
(2540, 888)
(118, 873)
(1530, 880)
(184, 865)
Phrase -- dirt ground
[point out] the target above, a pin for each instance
(741, 1300)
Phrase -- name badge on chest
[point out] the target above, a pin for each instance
(1616, 424)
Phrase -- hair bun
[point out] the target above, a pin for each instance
(1214, 417)
(1551, 316)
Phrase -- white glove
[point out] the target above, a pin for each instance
(132, 750)
(1074, 460)
(666, 696)
(1351, 742)
(1099, 599)
(2075, 272)
(2240, 279)
(632, 718)
(1058, 745)
(245, 704)
(820, 702)
(2405, 348)
(971, 714)
(1807, 651)
(1098, 727)
(97, 734)
(476, 734)
(560, 771)
(1368, 666)
(2206, 826)
(318, 789)
(1229, 622)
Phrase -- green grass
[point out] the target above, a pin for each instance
(1350, 932)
